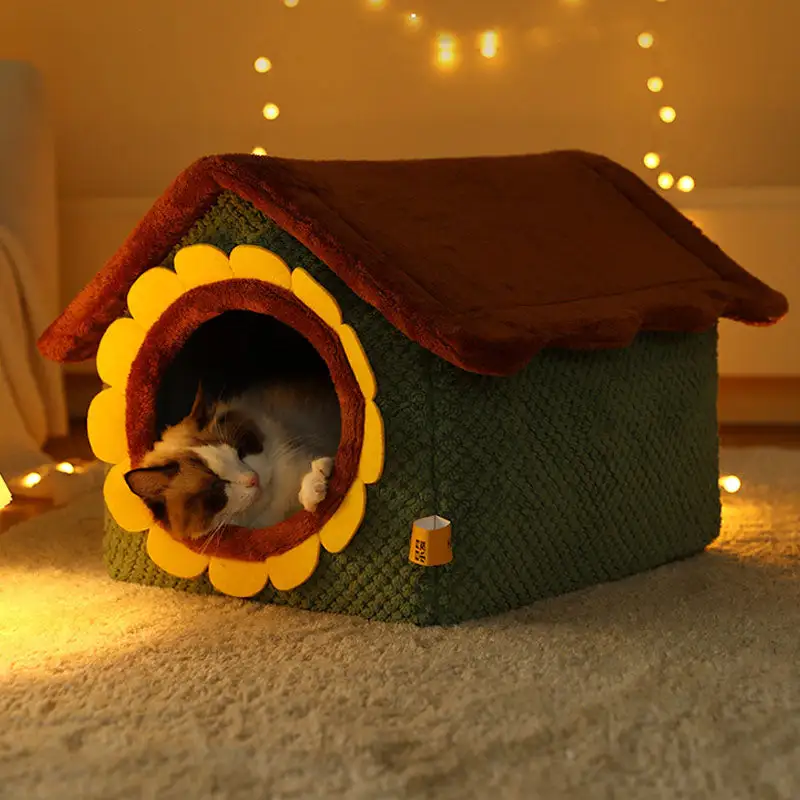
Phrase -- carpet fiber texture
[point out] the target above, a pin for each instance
(678, 683)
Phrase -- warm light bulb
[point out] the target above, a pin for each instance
(446, 50)
(666, 180)
(377, 3)
(667, 114)
(262, 64)
(685, 183)
(66, 467)
(31, 479)
(645, 40)
(730, 483)
(5, 494)
(655, 84)
(651, 160)
(258, 151)
(290, 3)
(270, 111)
(488, 43)
(413, 20)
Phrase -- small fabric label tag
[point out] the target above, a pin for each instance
(431, 544)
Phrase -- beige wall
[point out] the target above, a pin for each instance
(140, 89)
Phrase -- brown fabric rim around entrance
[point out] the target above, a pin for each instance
(483, 261)
(171, 332)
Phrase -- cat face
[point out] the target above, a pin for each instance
(196, 478)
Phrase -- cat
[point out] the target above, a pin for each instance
(251, 460)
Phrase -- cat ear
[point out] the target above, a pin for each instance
(200, 409)
(149, 483)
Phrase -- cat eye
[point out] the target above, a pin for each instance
(249, 444)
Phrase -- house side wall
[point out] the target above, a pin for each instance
(583, 468)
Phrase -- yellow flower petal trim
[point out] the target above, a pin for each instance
(118, 348)
(199, 264)
(149, 297)
(354, 351)
(317, 298)
(105, 425)
(152, 294)
(370, 467)
(237, 578)
(172, 556)
(288, 570)
(249, 261)
(129, 511)
(337, 532)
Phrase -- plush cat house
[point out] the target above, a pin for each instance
(524, 350)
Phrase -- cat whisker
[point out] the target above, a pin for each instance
(216, 532)
(209, 540)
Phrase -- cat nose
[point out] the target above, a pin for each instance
(251, 480)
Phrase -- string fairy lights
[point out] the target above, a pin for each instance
(31, 479)
(489, 43)
(666, 180)
(666, 114)
(58, 482)
(646, 40)
(446, 51)
(447, 57)
(262, 64)
(651, 160)
(270, 111)
(730, 483)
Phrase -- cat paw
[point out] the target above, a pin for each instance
(314, 487)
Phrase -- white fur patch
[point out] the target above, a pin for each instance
(224, 462)
(314, 487)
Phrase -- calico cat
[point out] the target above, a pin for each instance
(251, 460)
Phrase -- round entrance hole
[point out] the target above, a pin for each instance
(270, 330)
(223, 317)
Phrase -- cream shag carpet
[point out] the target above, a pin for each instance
(680, 683)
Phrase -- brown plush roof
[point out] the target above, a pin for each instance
(483, 261)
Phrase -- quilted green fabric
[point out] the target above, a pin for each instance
(585, 467)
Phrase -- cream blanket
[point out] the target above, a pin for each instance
(32, 406)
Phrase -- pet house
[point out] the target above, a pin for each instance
(524, 350)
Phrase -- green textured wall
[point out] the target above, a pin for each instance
(584, 467)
